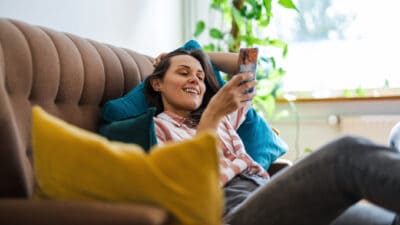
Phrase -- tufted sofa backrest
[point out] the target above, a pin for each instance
(69, 76)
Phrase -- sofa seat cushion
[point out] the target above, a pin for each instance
(75, 164)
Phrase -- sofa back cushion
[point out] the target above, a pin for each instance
(69, 76)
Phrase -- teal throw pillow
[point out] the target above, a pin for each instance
(260, 141)
(131, 104)
(138, 129)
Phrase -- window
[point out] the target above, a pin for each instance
(341, 48)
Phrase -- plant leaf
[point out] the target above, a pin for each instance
(386, 84)
(273, 62)
(200, 26)
(216, 34)
(308, 150)
(210, 47)
(360, 92)
(288, 4)
(264, 23)
(277, 43)
(267, 6)
(285, 51)
(347, 93)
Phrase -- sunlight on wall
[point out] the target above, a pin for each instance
(150, 27)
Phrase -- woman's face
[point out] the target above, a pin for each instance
(183, 86)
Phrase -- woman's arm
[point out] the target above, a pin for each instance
(225, 61)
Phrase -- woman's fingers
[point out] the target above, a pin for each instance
(238, 92)
(246, 90)
(241, 78)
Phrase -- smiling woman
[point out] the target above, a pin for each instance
(181, 82)
(183, 85)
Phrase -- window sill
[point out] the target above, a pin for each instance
(341, 99)
(383, 94)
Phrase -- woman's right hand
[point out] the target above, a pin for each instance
(231, 97)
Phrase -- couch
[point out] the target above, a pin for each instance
(70, 77)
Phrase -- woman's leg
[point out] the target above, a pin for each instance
(365, 214)
(236, 191)
(319, 188)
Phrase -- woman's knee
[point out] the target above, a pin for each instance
(353, 142)
(365, 214)
(348, 144)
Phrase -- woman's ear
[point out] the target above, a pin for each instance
(155, 83)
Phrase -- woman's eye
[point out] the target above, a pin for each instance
(200, 77)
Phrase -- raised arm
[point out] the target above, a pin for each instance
(231, 97)
(225, 61)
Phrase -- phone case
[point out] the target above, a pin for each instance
(248, 62)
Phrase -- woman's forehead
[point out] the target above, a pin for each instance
(186, 60)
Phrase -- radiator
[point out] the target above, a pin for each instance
(374, 127)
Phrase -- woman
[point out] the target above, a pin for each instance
(317, 190)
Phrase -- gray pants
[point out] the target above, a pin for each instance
(324, 189)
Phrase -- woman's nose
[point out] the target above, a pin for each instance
(194, 78)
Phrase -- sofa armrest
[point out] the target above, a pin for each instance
(50, 212)
(278, 165)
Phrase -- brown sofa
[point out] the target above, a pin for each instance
(70, 77)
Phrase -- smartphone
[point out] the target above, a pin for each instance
(248, 62)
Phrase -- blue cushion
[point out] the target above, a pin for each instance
(131, 104)
(139, 129)
(262, 144)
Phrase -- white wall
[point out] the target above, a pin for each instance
(195, 10)
(315, 130)
(150, 26)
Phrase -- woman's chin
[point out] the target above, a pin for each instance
(193, 107)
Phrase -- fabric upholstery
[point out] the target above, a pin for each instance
(74, 164)
(52, 212)
(69, 76)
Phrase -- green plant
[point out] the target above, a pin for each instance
(245, 24)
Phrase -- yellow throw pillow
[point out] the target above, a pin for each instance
(75, 164)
